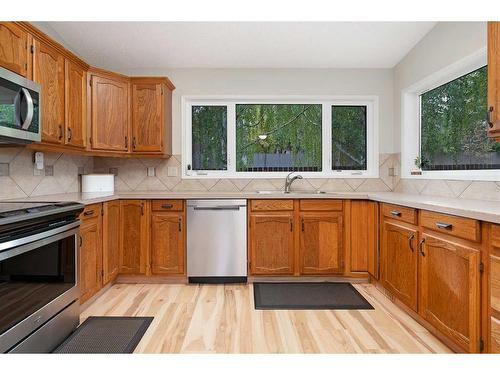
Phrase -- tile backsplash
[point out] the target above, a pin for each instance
(18, 179)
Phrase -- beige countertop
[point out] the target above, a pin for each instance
(475, 209)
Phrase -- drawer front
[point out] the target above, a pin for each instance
(406, 214)
(320, 205)
(495, 336)
(468, 229)
(91, 211)
(272, 205)
(168, 205)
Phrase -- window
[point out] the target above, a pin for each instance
(262, 137)
(454, 127)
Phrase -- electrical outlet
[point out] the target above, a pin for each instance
(49, 170)
(172, 172)
(392, 172)
(151, 171)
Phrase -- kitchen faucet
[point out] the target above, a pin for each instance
(288, 181)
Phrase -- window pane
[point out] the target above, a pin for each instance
(348, 137)
(454, 128)
(209, 139)
(278, 137)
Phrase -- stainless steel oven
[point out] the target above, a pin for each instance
(39, 288)
(19, 109)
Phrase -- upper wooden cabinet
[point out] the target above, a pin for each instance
(48, 71)
(450, 289)
(109, 112)
(14, 48)
(494, 79)
(134, 236)
(75, 84)
(271, 243)
(321, 243)
(151, 115)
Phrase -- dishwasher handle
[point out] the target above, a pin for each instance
(217, 208)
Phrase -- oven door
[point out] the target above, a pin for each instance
(37, 281)
(19, 109)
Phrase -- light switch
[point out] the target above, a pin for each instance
(151, 171)
(172, 172)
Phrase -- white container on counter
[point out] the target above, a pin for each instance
(95, 183)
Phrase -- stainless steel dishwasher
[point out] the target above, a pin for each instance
(217, 241)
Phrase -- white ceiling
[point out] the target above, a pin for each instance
(125, 46)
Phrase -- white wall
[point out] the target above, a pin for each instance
(283, 82)
(445, 44)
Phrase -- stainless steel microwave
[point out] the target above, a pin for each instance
(20, 105)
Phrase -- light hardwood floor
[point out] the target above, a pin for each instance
(222, 319)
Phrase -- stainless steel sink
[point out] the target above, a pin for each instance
(290, 193)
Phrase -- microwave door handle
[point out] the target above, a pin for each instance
(30, 110)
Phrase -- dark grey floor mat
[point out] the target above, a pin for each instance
(106, 334)
(308, 296)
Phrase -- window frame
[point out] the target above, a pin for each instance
(370, 101)
(411, 116)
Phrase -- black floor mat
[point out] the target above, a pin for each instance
(106, 334)
(308, 296)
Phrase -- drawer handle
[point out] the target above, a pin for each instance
(421, 246)
(88, 213)
(167, 206)
(410, 242)
(444, 225)
(395, 213)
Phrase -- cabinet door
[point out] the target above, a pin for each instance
(494, 79)
(13, 48)
(90, 259)
(109, 114)
(363, 237)
(48, 71)
(75, 100)
(320, 243)
(133, 237)
(271, 243)
(147, 118)
(399, 262)
(167, 243)
(449, 289)
(111, 240)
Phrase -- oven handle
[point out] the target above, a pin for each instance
(8, 247)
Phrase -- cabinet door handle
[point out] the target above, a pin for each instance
(126, 142)
(70, 134)
(60, 132)
(88, 213)
(395, 213)
(441, 225)
(142, 209)
(133, 142)
(303, 225)
(490, 112)
(180, 224)
(291, 224)
(81, 240)
(421, 246)
(410, 242)
(167, 206)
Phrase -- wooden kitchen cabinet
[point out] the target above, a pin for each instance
(109, 103)
(450, 289)
(90, 271)
(494, 292)
(151, 115)
(494, 80)
(168, 244)
(271, 243)
(48, 71)
(14, 48)
(321, 243)
(399, 272)
(134, 236)
(111, 240)
(75, 84)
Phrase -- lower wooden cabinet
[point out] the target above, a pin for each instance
(168, 243)
(400, 258)
(90, 277)
(111, 240)
(134, 236)
(321, 243)
(450, 289)
(271, 243)
(494, 292)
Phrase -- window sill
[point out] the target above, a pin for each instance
(466, 175)
(270, 175)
